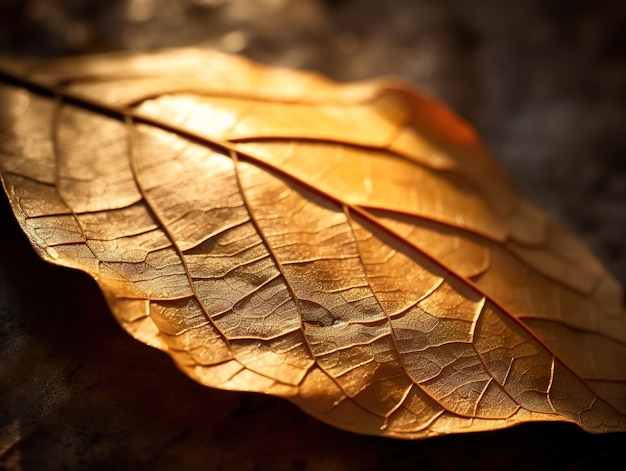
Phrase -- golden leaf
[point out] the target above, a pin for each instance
(352, 248)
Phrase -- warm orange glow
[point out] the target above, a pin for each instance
(352, 248)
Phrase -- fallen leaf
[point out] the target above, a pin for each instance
(352, 248)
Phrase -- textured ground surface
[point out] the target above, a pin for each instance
(543, 81)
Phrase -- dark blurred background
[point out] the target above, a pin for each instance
(543, 81)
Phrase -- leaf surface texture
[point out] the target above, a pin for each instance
(352, 248)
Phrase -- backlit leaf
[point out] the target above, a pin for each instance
(352, 248)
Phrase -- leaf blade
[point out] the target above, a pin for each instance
(312, 308)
